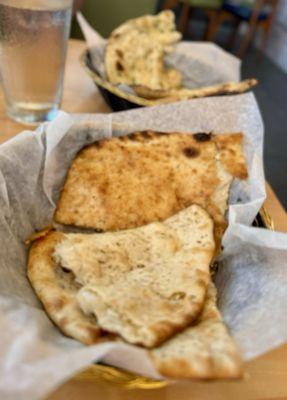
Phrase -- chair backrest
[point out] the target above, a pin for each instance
(259, 7)
(78, 5)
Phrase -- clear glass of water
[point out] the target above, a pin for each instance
(33, 44)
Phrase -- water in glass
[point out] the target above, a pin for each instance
(33, 43)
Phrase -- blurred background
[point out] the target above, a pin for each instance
(254, 30)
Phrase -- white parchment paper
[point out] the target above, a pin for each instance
(252, 281)
(200, 63)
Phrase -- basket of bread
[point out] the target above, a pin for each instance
(127, 240)
(144, 63)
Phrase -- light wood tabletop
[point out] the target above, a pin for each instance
(266, 376)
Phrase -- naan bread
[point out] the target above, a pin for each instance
(133, 180)
(204, 350)
(143, 284)
(183, 93)
(57, 290)
(135, 52)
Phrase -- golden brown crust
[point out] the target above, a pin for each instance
(205, 350)
(231, 154)
(180, 94)
(183, 369)
(57, 291)
(165, 329)
(39, 235)
(133, 180)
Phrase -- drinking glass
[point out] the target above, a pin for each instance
(33, 44)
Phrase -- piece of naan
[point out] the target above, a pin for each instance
(184, 93)
(135, 52)
(144, 177)
(57, 290)
(147, 283)
(204, 350)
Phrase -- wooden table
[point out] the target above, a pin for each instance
(266, 377)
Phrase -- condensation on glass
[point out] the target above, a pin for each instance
(33, 45)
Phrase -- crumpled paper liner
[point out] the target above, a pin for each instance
(252, 280)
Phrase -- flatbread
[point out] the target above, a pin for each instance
(135, 52)
(57, 291)
(143, 284)
(204, 350)
(130, 181)
(183, 93)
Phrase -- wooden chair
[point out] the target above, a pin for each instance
(209, 7)
(77, 5)
(256, 17)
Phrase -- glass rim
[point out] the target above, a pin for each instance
(38, 4)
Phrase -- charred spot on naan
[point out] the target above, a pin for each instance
(202, 136)
(191, 152)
